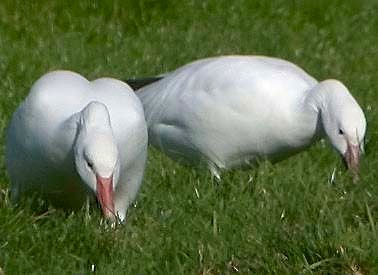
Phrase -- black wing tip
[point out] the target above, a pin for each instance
(137, 83)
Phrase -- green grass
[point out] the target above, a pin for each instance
(277, 219)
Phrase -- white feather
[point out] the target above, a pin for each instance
(231, 111)
(65, 115)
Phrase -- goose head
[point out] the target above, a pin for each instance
(97, 159)
(343, 122)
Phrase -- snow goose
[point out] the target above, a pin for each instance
(233, 110)
(71, 139)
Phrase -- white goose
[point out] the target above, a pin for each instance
(230, 111)
(71, 139)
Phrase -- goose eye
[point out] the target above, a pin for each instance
(341, 132)
(90, 164)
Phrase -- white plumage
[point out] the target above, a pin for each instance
(72, 138)
(230, 111)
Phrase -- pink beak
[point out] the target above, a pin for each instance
(105, 196)
(352, 159)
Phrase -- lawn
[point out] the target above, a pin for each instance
(286, 218)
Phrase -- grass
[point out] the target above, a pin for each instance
(277, 219)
